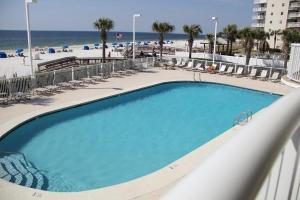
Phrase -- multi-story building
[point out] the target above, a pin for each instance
(272, 15)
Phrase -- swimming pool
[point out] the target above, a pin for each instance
(124, 137)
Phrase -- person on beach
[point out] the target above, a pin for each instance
(109, 54)
(142, 54)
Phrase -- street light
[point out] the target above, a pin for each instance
(134, 16)
(215, 42)
(27, 2)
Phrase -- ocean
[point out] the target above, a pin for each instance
(18, 39)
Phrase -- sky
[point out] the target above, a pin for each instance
(79, 15)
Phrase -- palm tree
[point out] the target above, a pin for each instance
(289, 36)
(275, 33)
(193, 32)
(210, 37)
(247, 35)
(262, 38)
(103, 25)
(162, 28)
(230, 33)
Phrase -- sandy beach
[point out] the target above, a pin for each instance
(12, 65)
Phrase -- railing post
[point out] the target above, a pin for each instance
(72, 73)
(113, 66)
(53, 78)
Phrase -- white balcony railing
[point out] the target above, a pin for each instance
(260, 1)
(258, 17)
(242, 165)
(260, 9)
(294, 15)
(295, 5)
(258, 25)
(293, 24)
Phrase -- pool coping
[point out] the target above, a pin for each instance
(128, 190)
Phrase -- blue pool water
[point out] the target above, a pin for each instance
(125, 137)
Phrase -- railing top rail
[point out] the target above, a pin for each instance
(239, 167)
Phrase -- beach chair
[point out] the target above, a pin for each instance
(253, 73)
(222, 69)
(229, 71)
(52, 88)
(170, 65)
(66, 85)
(178, 63)
(183, 64)
(275, 77)
(190, 66)
(263, 75)
(76, 83)
(88, 80)
(198, 68)
(212, 69)
(239, 72)
(41, 91)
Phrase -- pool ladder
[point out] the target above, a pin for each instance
(243, 118)
(199, 77)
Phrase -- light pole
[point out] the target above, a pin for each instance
(133, 47)
(27, 2)
(215, 19)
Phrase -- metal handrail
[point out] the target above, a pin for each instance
(238, 168)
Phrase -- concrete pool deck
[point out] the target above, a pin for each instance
(144, 188)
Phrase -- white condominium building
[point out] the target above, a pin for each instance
(275, 15)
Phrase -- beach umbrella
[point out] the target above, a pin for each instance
(96, 45)
(121, 45)
(19, 50)
(51, 50)
(86, 47)
(65, 46)
(3, 55)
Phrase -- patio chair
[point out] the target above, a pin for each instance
(229, 71)
(239, 72)
(263, 75)
(222, 69)
(41, 91)
(199, 68)
(52, 88)
(275, 77)
(183, 64)
(66, 85)
(253, 73)
(190, 66)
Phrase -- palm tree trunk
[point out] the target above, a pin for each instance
(230, 51)
(103, 51)
(190, 49)
(161, 44)
(227, 48)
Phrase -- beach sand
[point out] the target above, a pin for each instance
(12, 65)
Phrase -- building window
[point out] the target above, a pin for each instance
(283, 4)
(281, 13)
(280, 22)
(270, 22)
(272, 5)
(271, 14)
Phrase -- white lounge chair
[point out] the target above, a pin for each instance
(198, 68)
(239, 72)
(190, 66)
(222, 69)
(263, 75)
(275, 77)
(253, 73)
(183, 64)
(178, 63)
(229, 71)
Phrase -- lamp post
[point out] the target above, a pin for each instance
(215, 19)
(133, 47)
(27, 2)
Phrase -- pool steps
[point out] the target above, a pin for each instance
(16, 169)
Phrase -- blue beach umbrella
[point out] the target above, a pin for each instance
(19, 50)
(65, 46)
(51, 50)
(3, 55)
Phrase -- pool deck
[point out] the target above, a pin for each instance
(149, 187)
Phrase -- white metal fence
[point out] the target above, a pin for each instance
(25, 84)
(274, 63)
